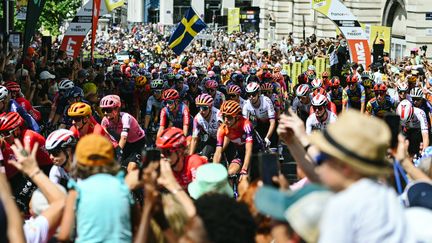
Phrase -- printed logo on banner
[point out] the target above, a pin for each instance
(319, 3)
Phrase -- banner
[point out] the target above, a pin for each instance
(287, 68)
(21, 9)
(306, 64)
(296, 71)
(34, 10)
(80, 26)
(233, 20)
(320, 66)
(95, 19)
(350, 28)
(379, 32)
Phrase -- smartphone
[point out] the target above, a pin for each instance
(393, 121)
(287, 107)
(265, 166)
(148, 156)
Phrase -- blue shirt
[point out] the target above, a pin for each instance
(103, 209)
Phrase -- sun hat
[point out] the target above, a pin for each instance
(94, 150)
(302, 208)
(418, 194)
(210, 177)
(419, 221)
(46, 75)
(357, 140)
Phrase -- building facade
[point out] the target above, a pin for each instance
(411, 21)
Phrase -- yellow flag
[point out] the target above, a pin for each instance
(112, 4)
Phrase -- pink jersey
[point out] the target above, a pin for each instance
(127, 126)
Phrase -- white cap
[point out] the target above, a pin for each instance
(46, 75)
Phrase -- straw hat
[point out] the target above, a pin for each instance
(357, 140)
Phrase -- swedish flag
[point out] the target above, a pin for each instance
(188, 28)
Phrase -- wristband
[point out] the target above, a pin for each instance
(35, 174)
(243, 172)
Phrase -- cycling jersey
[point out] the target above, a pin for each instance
(337, 98)
(242, 102)
(218, 99)
(240, 134)
(24, 103)
(30, 121)
(94, 128)
(188, 173)
(330, 106)
(184, 90)
(374, 108)
(153, 105)
(203, 127)
(418, 121)
(127, 126)
(354, 98)
(301, 109)
(180, 119)
(59, 175)
(312, 123)
(263, 113)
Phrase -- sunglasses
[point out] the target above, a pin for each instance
(402, 92)
(232, 96)
(211, 90)
(167, 152)
(204, 108)
(321, 158)
(157, 91)
(267, 92)
(170, 102)
(55, 152)
(226, 117)
(318, 108)
(107, 110)
(78, 119)
(252, 94)
(380, 92)
(351, 83)
(7, 134)
(416, 99)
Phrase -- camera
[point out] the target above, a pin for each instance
(423, 48)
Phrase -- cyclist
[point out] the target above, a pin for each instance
(418, 101)
(235, 139)
(335, 93)
(125, 129)
(60, 102)
(60, 145)
(172, 144)
(326, 80)
(9, 105)
(369, 91)
(302, 101)
(175, 113)
(180, 86)
(414, 126)
(218, 97)
(141, 96)
(402, 90)
(205, 125)
(193, 92)
(321, 116)
(154, 105)
(382, 102)
(233, 93)
(267, 90)
(316, 84)
(354, 95)
(260, 111)
(15, 91)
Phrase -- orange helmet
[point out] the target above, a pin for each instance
(170, 94)
(352, 79)
(380, 87)
(234, 89)
(230, 108)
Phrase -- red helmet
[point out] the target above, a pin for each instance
(316, 83)
(267, 86)
(319, 100)
(234, 89)
(171, 138)
(325, 74)
(351, 79)
(302, 90)
(10, 121)
(13, 87)
(321, 91)
(335, 82)
(170, 94)
(211, 84)
(380, 87)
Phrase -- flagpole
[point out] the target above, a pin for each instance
(92, 35)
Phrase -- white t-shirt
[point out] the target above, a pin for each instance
(365, 212)
(36, 230)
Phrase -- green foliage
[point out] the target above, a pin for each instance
(55, 12)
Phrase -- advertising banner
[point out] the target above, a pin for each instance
(296, 71)
(320, 66)
(34, 10)
(306, 64)
(233, 20)
(21, 9)
(350, 28)
(95, 20)
(379, 32)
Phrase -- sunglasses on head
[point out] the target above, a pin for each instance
(203, 108)
(107, 110)
(321, 158)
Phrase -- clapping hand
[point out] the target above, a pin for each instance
(25, 157)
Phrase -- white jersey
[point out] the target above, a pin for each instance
(418, 121)
(298, 106)
(218, 99)
(312, 123)
(263, 113)
(58, 173)
(242, 102)
(202, 127)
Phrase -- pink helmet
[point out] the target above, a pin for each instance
(204, 99)
(234, 89)
(110, 101)
(211, 74)
(405, 110)
(211, 84)
(319, 100)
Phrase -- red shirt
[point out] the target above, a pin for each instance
(188, 174)
(94, 128)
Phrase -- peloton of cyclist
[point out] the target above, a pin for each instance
(175, 113)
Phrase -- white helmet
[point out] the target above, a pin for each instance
(416, 93)
(319, 100)
(252, 87)
(316, 83)
(66, 84)
(302, 90)
(402, 87)
(405, 110)
(61, 138)
(3, 93)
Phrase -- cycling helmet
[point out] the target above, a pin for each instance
(170, 76)
(126, 61)
(89, 88)
(416, 93)
(141, 65)
(79, 109)
(157, 84)
(140, 81)
(402, 87)
(252, 87)
(170, 94)
(267, 87)
(13, 87)
(204, 99)
(192, 80)
(335, 82)
(110, 101)
(405, 110)
(59, 139)
(319, 100)
(10, 121)
(66, 84)
(351, 79)
(302, 90)
(252, 71)
(211, 84)
(321, 91)
(380, 87)
(211, 74)
(230, 108)
(239, 78)
(316, 83)
(234, 89)
(171, 138)
(178, 78)
(367, 83)
(325, 74)
(75, 92)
